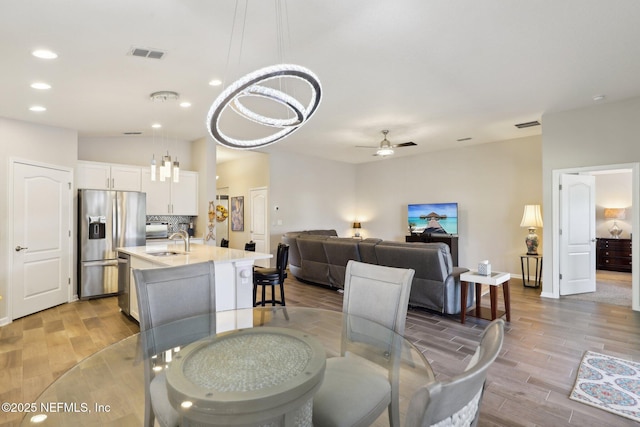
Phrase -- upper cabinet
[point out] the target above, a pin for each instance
(105, 176)
(163, 198)
(171, 198)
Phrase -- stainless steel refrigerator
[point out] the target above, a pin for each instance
(106, 220)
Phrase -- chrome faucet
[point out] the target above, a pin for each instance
(184, 236)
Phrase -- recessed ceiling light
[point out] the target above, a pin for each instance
(44, 54)
(156, 125)
(37, 109)
(40, 85)
(598, 98)
(215, 82)
(185, 104)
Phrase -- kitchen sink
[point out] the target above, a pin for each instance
(164, 253)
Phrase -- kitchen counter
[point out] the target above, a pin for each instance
(167, 241)
(233, 269)
(198, 253)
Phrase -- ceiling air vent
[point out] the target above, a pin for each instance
(132, 133)
(146, 53)
(528, 124)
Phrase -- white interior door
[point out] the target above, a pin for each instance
(577, 237)
(259, 227)
(41, 247)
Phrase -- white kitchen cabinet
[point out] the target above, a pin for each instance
(171, 198)
(105, 176)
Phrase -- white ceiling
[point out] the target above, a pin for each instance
(430, 71)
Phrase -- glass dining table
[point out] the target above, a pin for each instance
(214, 361)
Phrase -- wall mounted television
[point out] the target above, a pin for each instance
(433, 218)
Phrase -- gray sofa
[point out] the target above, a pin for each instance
(320, 256)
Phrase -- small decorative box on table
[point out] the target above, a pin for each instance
(494, 280)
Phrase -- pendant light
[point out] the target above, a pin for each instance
(176, 170)
(153, 168)
(167, 167)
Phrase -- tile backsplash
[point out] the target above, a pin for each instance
(176, 223)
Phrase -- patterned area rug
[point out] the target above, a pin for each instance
(609, 383)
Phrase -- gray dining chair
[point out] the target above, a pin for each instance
(167, 297)
(355, 392)
(456, 402)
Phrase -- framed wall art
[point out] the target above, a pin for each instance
(237, 213)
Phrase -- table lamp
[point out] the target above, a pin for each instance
(532, 219)
(615, 213)
(357, 226)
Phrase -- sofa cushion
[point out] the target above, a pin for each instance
(427, 262)
(338, 252)
(428, 286)
(315, 266)
(367, 249)
(443, 247)
(333, 233)
(290, 238)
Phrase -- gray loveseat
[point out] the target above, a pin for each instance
(319, 256)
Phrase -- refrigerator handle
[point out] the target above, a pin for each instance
(108, 263)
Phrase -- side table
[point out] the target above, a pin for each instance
(526, 280)
(494, 280)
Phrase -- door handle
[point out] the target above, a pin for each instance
(20, 248)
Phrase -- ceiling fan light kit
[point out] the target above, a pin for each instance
(385, 148)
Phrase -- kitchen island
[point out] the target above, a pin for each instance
(233, 269)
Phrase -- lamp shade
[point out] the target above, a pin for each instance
(614, 213)
(531, 218)
(357, 225)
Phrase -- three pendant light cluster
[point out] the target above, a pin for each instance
(167, 167)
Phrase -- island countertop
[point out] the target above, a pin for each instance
(198, 253)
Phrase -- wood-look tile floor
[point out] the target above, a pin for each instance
(528, 385)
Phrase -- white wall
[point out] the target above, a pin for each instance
(605, 134)
(490, 182)
(203, 158)
(38, 143)
(613, 190)
(239, 176)
(310, 193)
(134, 150)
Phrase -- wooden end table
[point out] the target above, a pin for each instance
(494, 280)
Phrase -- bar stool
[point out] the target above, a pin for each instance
(224, 243)
(251, 246)
(273, 277)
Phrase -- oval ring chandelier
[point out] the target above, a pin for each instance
(249, 86)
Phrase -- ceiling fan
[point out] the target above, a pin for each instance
(386, 148)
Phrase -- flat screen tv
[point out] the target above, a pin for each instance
(433, 218)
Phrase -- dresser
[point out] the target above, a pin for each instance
(613, 254)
